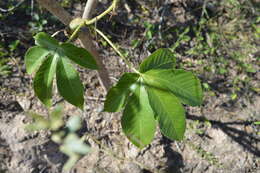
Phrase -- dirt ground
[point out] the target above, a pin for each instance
(221, 135)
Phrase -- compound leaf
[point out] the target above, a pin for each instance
(118, 94)
(34, 58)
(182, 84)
(79, 56)
(138, 121)
(43, 80)
(169, 111)
(69, 84)
(161, 59)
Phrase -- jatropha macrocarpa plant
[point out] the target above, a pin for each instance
(153, 94)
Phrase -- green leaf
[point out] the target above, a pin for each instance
(73, 147)
(118, 94)
(74, 123)
(79, 56)
(161, 59)
(73, 144)
(40, 123)
(43, 80)
(46, 41)
(34, 58)
(169, 111)
(69, 84)
(56, 118)
(58, 136)
(257, 123)
(182, 84)
(138, 121)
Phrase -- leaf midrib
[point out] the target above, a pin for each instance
(52, 65)
(71, 87)
(165, 110)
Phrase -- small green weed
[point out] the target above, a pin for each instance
(206, 155)
(5, 69)
(63, 134)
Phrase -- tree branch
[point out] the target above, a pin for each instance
(54, 7)
(90, 5)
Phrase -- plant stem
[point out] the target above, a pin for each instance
(95, 19)
(128, 63)
(75, 33)
(89, 8)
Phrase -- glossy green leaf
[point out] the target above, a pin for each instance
(43, 80)
(161, 59)
(118, 94)
(182, 84)
(69, 84)
(79, 56)
(34, 58)
(169, 111)
(46, 41)
(138, 121)
(48, 46)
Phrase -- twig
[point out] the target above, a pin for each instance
(55, 8)
(32, 7)
(56, 33)
(90, 5)
(93, 20)
(96, 98)
(75, 33)
(128, 63)
(12, 8)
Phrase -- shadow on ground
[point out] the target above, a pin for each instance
(241, 137)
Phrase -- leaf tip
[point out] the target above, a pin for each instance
(81, 107)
